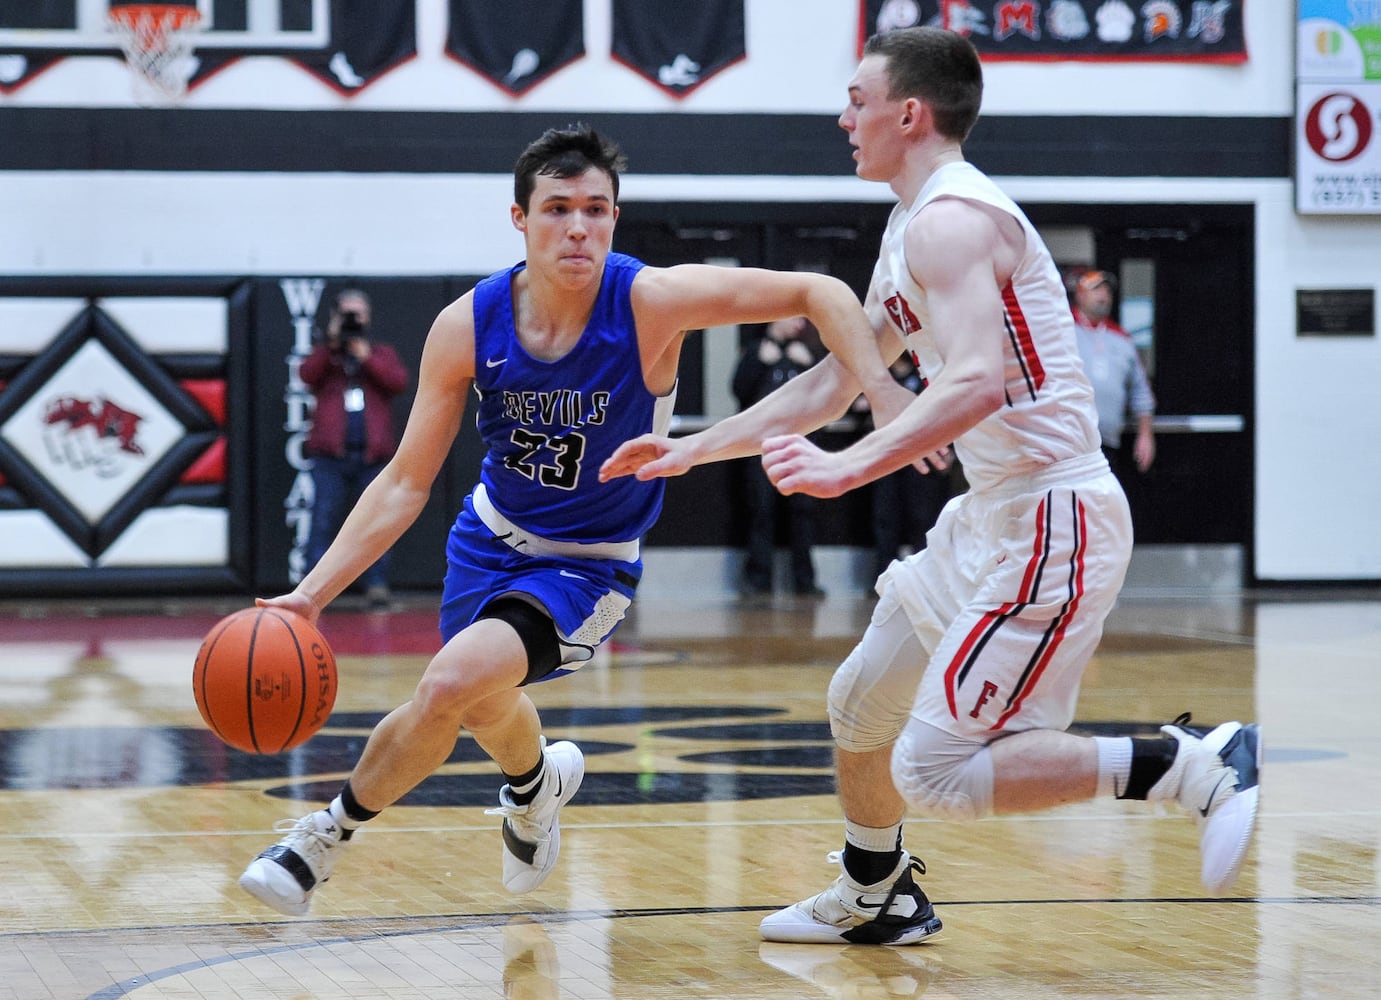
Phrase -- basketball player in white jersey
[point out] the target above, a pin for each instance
(954, 703)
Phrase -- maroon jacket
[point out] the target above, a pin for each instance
(382, 377)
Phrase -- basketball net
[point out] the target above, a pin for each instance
(157, 41)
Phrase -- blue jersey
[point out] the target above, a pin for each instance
(547, 426)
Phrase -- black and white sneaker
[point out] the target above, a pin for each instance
(1220, 786)
(894, 911)
(532, 832)
(285, 876)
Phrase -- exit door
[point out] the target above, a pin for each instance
(1186, 294)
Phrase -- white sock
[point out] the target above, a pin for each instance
(527, 789)
(1114, 764)
(337, 811)
(880, 840)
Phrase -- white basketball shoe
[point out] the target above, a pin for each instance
(532, 833)
(285, 876)
(1216, 777)
(893, 911)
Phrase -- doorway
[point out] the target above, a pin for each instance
(1186, 295)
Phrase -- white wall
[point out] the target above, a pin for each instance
(1317, 429)
(1318, 435)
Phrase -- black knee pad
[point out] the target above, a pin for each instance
(534, 628)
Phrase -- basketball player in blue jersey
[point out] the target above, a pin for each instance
(955, 702)
(570, 352)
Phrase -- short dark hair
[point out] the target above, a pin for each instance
(567, 152)
(940, 67)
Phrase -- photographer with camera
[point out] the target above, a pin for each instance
(354, 379)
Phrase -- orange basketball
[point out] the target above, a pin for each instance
(264, 680)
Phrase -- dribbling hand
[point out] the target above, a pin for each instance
(298, 604)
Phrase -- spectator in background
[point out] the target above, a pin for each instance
(354, 379)
(785, 350)
(1113, 365)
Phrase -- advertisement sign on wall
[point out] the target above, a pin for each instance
(1338, 107)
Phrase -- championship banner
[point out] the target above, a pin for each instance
(678, 45)
(516, 44)
(1094, 30)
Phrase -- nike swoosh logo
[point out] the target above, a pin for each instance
(573, 576)
(862, 903)
(1211, 796)
(491, 363)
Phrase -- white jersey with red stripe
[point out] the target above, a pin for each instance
(1049, 415)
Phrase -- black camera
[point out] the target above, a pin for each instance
(351, 325)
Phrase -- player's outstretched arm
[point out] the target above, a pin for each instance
(961, 256)
(669, 301)
(649, 456)
(805, 403)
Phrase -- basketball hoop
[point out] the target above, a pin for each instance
(157, 41)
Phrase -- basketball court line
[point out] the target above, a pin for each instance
(469, 923)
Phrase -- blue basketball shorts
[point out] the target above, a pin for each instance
(585, 598)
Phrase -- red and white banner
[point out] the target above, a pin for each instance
(1111, 30)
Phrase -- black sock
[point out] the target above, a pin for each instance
(869, 867)
(355, 812)
(1150, 760)
(523, 788)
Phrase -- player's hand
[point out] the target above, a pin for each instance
(796, 466)
(886, 405)
(936, 461)
(1144, 451)
(649, 456)
(298, 604)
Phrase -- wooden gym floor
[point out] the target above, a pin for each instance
(707, 803)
